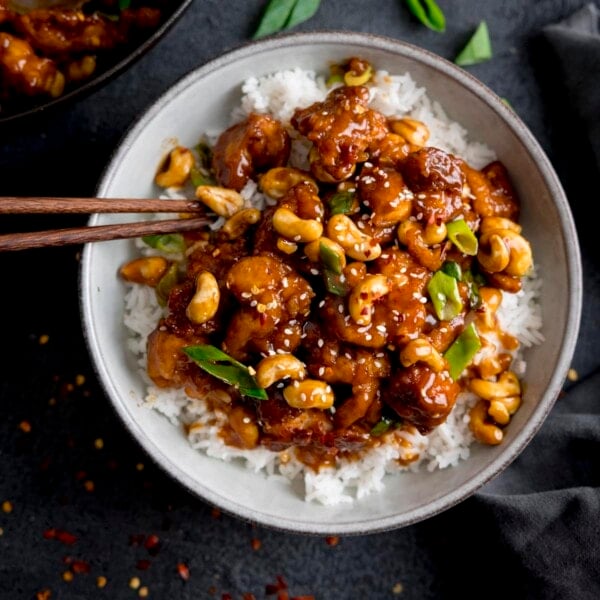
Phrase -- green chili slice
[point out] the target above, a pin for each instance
(444, 294)
(168, 242)
(453, 269)
(429, 13)
(341, 203)
(330, 259)
(283, 14)
(478, 49)
(462, 237)
(227, 369)
(462, 351)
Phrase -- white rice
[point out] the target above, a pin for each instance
(278, 95)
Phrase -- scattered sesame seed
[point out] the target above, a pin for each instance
(143, 592)
(139, 467)
(101, 581)
(79, 379)
(67, 576)
(572, 375)
(43, 339)
(88, 485)
(255, 543)
(398, 588)
(7, 507)
(98, 443)
(25, 426)
(1, 532)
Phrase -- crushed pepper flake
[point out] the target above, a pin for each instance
(52, 402)
(332, 540)
(25, 426)
(398, 588)
(216, 513)
(143, 592)
(139, 467)
(44, 594)
(143, 564)
(43, 339)
(79, 379)
(62, 536)
(98, 443)
(255, 543)
(572, 375)
(152, 543)
(101, 581)
(89, 485)
(7, 507)
(134, 583)
(183, 571)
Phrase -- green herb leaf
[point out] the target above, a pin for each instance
(283, 14)
(227, 369)
(429, 13)
(462, 351)
(168, 242)
(478, 48)
(445, 297)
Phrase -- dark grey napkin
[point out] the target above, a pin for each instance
(543, 512)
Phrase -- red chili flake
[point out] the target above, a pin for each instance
(43, 595)
(216, 513)
(183, 571)
(25, 426)
(309, 597)
(143, 564)
(62, 536)
(248, 596)
(152, 544)
(332, 540)
(80, 475)
(273, 588)
(255, 543)
(226, 597)
(80, 566)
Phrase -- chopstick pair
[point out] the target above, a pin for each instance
(82, 235)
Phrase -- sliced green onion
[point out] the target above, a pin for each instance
(335, 284)
(197, 177)
(330, 259)
(444, 294)
(333, 79)
(283, 14)
(478, 49)
(227, 369)
(462, 351)
(462, 237)
(453, 269)
(167, 283)
(168, 242)
(429, 13)
(382, 427)
(341, 203)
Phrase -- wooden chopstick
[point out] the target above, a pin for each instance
(99, 233)
(82, 235)
(43, 205)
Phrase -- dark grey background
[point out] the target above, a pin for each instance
(492, 545)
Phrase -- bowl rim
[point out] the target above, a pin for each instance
(573, 260)
(94, 83)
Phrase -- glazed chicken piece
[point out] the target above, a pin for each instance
(22, 70)
(246, 148)
(420, 396)
(342, 129)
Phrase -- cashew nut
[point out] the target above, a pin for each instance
(319, 171)
(176, 168)
(413, 131)
(434, 233)
(222, 201)
(504, 250)
(507, 385)
(294, 228)
(358, 245)
(203, 306)
(352, 78)
(279, 366)
(494, 223)
(502, 409)
(421, 350)
(237, 224)
(286, 246)
(276, 182)
(363, 296)
(310, 393)
(148, 270)
(483, 431)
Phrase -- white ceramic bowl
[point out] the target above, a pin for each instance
(202, 101)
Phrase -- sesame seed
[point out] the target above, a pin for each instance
(134, 583)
